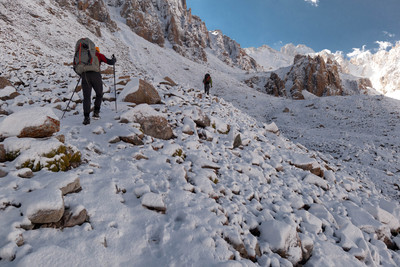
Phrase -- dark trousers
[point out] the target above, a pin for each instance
(91, 79)
(207, 88)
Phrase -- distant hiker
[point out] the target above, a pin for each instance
(87, 62)
(207, 83)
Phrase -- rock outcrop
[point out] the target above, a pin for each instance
(310, 74)
(162, 21)
(170, 21)
(230, 52)
(275, 86)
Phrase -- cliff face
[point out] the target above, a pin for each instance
(312, 74)
(161, 21)
(165, 23)
(91, 13)
(230, 52)
(382, 68)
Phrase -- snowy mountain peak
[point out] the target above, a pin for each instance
(292, 50)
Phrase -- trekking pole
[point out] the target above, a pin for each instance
(71, 97)
(115, 89)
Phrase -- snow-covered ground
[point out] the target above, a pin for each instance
(322, 191)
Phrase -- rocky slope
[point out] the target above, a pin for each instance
(165, 23)
(185, 179)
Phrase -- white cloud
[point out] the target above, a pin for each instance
(313, 2)
(391, 35)
(383, 45)
(357, 51)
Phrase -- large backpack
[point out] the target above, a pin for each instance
(85, 58)
(207, 78)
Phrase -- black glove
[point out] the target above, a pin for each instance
(114, 60)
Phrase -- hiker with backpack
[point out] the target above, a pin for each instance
(207, 81)
(86, 64)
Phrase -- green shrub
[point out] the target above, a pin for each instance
(179, 153)
(61, 159)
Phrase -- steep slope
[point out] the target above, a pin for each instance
(269, 58)
(382, 68)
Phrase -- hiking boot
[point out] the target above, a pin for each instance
(86, 121)
(96, 114)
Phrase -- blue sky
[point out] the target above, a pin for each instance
(337, 25)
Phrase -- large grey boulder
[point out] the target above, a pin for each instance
(151, 122)
(140, 92)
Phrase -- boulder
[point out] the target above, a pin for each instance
(133, 139)
(35, 122)
(75, 217)
(156, 127)
(201, 119)
(46, 129)
(4, 82)
(8, 93)
(44, 206)
(140, 92)
(282, 239)
(151, 122)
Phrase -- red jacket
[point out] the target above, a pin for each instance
(102, 58)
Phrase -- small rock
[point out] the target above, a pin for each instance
(3, 173)
(169, 81)
(114, 140)
(237, 142)
(153, 201)
(71, 187)
(134, 139)
(25, 173)
(76, 217)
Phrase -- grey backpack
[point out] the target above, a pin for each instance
(85, 58)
